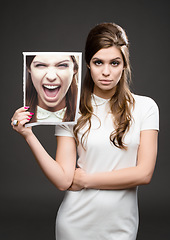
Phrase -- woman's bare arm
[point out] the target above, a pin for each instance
(59, 171)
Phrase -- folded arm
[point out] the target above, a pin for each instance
(124, 178)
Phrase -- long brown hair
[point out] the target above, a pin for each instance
(106, 35)
(71, 96)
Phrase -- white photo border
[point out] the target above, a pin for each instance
(79, 55)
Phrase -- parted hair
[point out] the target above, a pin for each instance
(106, 35)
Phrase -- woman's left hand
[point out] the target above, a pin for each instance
(78, 180)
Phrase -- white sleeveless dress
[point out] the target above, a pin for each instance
(92, 214)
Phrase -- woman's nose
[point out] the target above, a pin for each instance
(106, 70)
(51, 75)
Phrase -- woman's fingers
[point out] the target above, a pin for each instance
(20, 123)
(19, 119)
(22, 114)
(20, 111)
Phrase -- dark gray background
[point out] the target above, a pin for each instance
(28, 201)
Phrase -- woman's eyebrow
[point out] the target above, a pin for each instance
(38, 62)
(64, 61)
(116, 58)
(44, 62)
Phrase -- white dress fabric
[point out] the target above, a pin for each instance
(92, 214)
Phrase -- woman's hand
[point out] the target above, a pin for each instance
(79, 180)
(22, 116)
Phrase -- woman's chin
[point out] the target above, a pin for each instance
(52, 106)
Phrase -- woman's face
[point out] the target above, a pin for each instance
(106, 68)
(52, 76)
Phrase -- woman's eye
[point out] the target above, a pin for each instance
(115, 63)
(98, 62)
(40, 65)
(63, 65)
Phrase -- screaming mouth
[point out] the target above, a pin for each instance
(51, 90)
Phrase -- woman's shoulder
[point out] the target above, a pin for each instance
(146, 109)
(144, 101)
(64, 130)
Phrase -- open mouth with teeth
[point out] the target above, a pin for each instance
(51, 90)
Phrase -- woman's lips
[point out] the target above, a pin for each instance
(51, 91)
(105, 81)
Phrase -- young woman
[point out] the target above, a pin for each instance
(116, 139)
(51, 87)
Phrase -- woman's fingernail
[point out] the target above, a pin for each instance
(31, 113)
(29, 116)
(26, 107)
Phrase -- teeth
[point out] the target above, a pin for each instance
(51, 86)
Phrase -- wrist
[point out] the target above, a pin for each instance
(28, 135)
(86, 181)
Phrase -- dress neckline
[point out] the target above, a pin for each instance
(97, 101)
(43, 113)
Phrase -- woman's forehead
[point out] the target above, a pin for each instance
(108, 53)
(50, 59)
